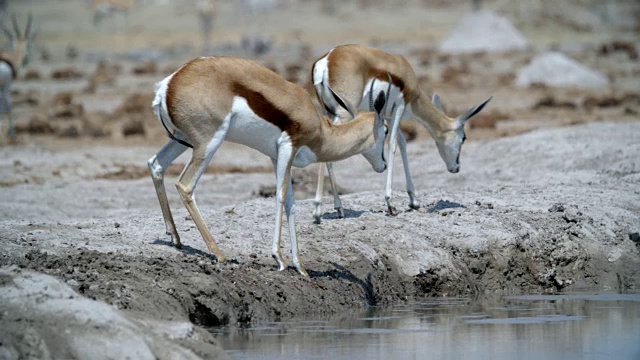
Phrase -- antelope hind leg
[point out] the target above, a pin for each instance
(186, 186)
(157, 166)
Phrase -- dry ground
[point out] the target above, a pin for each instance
(547, 198)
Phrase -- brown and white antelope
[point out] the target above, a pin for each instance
(213, 99)
(349, 69)
(105, 8)
(12, 60)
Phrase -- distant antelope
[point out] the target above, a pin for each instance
(213, 99)
(206, 12)
(12, 60)
(104, 8)
(349, 69)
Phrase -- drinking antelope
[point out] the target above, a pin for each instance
(12, 60)
(349, 69)
(212, 99)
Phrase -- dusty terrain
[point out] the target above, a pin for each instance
(548, 198)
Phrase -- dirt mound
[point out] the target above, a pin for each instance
(105, 74)
(483, 31)
(145, 68)
(67, 73)
(556, 69)
(135, 116)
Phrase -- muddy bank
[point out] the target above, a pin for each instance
(552, 210)
(43, 318)
(197, 288)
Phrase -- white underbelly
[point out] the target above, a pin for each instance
(247, 128)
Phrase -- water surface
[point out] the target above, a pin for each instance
(577, 326)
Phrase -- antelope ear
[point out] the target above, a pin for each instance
(371, 108)
(387, 95)
(436, 102)
(471, 113)
(345, 104)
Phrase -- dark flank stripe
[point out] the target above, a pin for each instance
(265, 109)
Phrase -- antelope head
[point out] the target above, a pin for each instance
(375, 154)
(20, 42)
(450, 142)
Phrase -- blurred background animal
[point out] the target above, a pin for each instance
(11, 60)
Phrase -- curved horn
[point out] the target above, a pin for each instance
(387, 95)
(345, 104)
(16, 30)
(371, 95)
(27, 29)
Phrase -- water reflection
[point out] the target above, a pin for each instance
(589, 326)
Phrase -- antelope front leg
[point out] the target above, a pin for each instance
(402, 144)
(395, 127)
(157, 166)
(337, 204)
(317, 202)
(289, 206)
(283, 174)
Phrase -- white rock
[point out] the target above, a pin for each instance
(483, 31)
(556, 69)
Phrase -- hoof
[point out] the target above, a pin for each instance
(392, 211)
(340, 213)
(175, 240)
(316, 219)
(415, 206)
(303, 272)
(280, 265)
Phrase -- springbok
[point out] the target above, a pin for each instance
(12, 60)
(206, 13)
(212, 99)
(349, 69)
(104, 8)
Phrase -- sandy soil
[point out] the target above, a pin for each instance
(547, 199)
